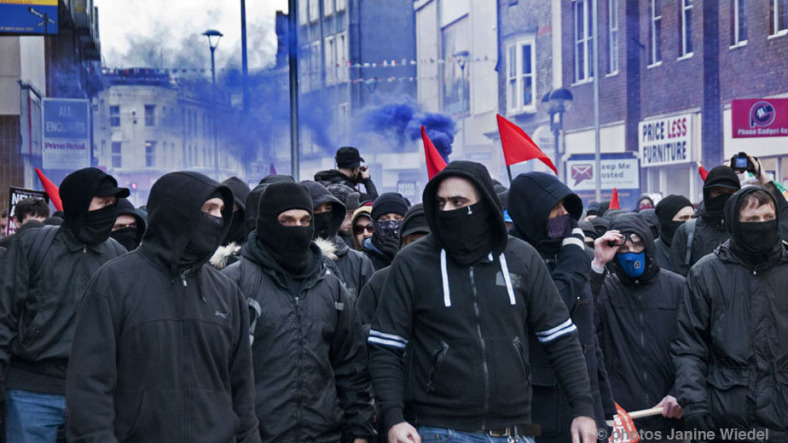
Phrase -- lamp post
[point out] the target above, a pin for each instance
(555, 102)
(213, 41)
(462, 60)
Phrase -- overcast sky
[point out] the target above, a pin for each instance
(167, 33)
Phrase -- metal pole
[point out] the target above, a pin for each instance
(557, 141)
(597, 154)
(293, 59)
(244, 61)
(215, 115)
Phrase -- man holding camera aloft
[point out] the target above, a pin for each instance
(349, 172)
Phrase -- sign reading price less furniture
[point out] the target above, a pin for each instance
(66, 141)
(665, 141)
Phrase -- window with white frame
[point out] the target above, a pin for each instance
(314, 65)
(686, 28)
(303, 11)
(331, 60)
(328, 7)
(314, 10)
(150, 154)
(305, 64)
(341, 5)
(117, 155)
(612, 36)
(738, 22)
(114, 116)
(521, 75)
(655, 32)
(584, 42)
(342, 57)
(778, 17)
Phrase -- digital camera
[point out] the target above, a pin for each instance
(741, 163)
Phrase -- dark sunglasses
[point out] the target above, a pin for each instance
(358, 229)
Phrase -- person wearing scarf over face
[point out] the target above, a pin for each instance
(387, 214)
(636, 307)
(545, 214)
(161, 348)
(129, 226)
(731, 344)
(353, 267)
(43, 282)
(449, 340)
(310, 365)
(672, 212)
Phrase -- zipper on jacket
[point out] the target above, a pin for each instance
(485, 370)
(300, 362)
(644, 363)
(183, 277)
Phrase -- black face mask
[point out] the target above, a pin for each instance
(129, 238)
(464, 232)
(386, 236)
(715, 206)
(324, 225)
(98, 225)
(667, 229)
(289, 246)
(236, 231)
(755, 239)
(205, 238)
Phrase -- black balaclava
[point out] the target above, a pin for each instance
(240, 193)
(458, 231)
(386, 236)
(753, 242)
(76, 191)
(720, 176)
(288, 245)
(531, 199)
(253, 199)
(129, 237)
(327, 224)
(206, 235)
(667, 208)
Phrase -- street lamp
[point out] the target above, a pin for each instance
(213, 41)
(462, 60)
(555, 102)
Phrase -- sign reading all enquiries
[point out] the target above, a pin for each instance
(665, 141)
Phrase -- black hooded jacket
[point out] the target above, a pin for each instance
(531, 198)
(331, 176)
(163, 355)
(38, 306)
(636, 322)
(310, 364)
(731, 346)
(463, 330)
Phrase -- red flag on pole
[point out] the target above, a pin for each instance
(51, 189)
(703, 172)
(614, 200)
(435, 162)
(518, 146)
(272, 169)
(624, 430)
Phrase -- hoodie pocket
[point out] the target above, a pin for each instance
(437, 360)
(729, 394)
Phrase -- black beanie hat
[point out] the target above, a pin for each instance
(668, 207)
(723, 176)
(240, 191)
(387, 203)
(280, 197)
(415, 222)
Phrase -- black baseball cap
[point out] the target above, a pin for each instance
(348, 157)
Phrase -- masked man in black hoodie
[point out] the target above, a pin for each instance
(44, 274)
(161, 349)
(636, 308)
(731, 347)
(545, 214)
(129, 226)
(449, 341)
(387, 214)
(311, 378)
(672, 212)
(353, 267)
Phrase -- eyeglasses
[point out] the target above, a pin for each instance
(634, 238)
(358, 229)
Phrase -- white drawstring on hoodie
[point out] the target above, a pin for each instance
(504, 270)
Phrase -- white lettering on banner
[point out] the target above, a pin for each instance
(666, 141)
(621, 173)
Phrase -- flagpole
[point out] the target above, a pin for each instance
(509, 171)
(597, 144)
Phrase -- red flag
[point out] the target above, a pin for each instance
(435, 162)
(272, 169)
(51, 189)
(518, 146)
(703, 172)
(624, 430)
(614, 200)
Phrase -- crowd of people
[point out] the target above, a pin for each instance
(314, 312)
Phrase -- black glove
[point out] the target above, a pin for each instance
(698, 419)
(389, 246)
